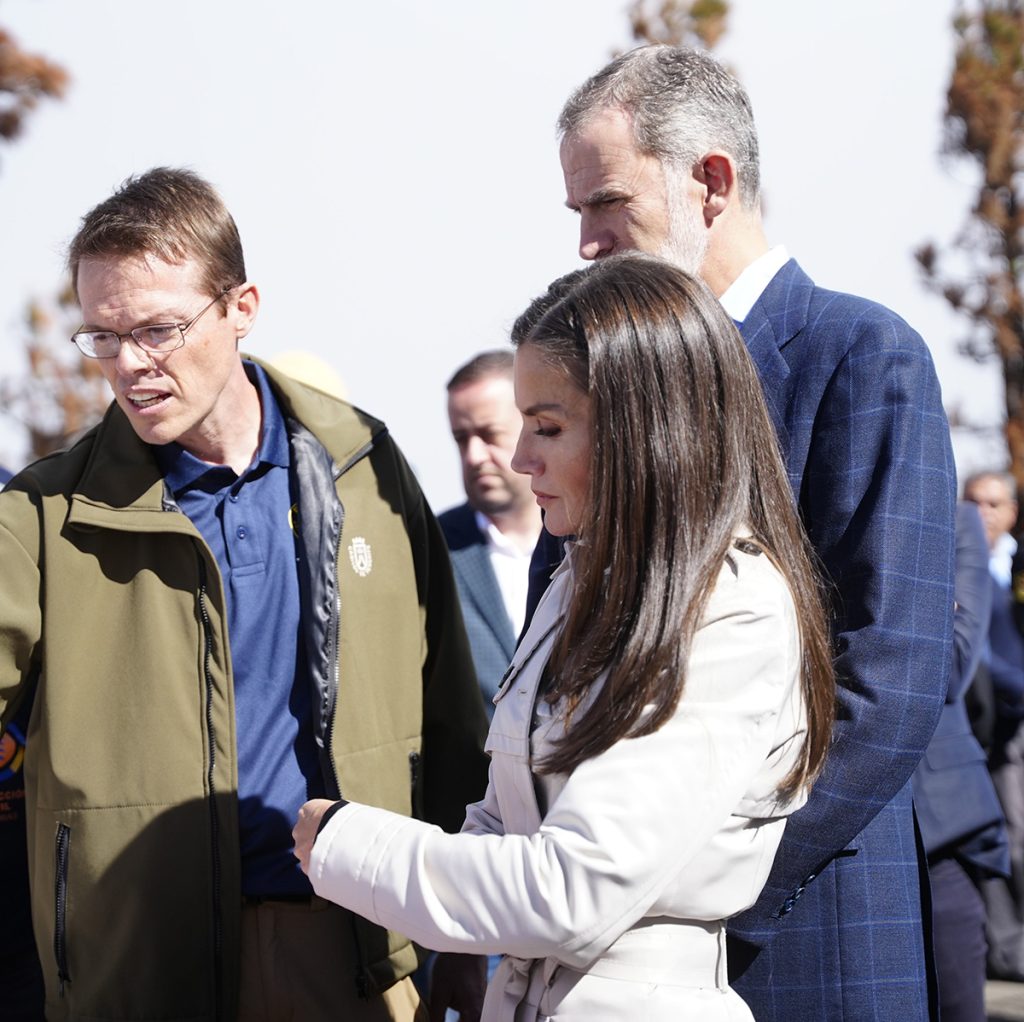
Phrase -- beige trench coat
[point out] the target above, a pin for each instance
(612, 900)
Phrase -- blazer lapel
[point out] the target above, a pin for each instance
(484, 592)
(477, 582)
(776, 318)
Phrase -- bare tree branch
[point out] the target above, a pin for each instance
(984, 123)
(699, 23)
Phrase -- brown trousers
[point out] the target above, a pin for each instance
(298, 965)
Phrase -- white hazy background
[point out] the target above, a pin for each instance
(394, 173)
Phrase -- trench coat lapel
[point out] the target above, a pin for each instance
(510, 730)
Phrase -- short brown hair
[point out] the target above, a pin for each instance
(169, 213)
(488, 363)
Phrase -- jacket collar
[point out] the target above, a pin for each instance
(780, 313)
(547, 618)
(346, 432)
(122, 474)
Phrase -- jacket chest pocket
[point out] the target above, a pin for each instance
(509, 734)
(513, 701)
(514, 746)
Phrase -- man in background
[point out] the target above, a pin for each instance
(958, 811)
(229, 595)
(492, 535)
(995, 494)
(660, 154)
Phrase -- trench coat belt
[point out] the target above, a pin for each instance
(674, 954)
(507, 989)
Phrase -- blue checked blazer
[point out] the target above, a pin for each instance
(487, 622)
(855, 400)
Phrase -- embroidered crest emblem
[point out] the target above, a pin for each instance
(361, 556)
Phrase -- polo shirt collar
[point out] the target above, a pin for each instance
(182, 470)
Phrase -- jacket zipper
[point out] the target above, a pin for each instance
(414, 779)
(60, 949)
(329, 734)
(218, 925)
(337, 793)
(362, 978)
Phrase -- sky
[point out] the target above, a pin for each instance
(394, 173)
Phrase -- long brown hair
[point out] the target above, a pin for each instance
(682, 453)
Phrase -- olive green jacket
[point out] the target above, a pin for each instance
(111, 606)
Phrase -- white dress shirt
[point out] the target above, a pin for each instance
(511, 568)
(742, 294)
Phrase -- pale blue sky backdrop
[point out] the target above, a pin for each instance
(393, 168)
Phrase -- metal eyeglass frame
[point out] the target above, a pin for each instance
(83, 339)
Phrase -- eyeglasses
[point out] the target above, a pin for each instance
(157, 338)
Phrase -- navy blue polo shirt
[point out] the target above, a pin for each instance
(246, 522)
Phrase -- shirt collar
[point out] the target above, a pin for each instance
(182, 470)
(741, 295)
(1005, 546)
(495, 538)
(1000, 561)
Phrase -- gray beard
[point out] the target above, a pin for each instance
(687, 237)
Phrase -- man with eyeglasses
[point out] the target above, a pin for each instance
(230, 596)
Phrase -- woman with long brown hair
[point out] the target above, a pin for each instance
(671, 702)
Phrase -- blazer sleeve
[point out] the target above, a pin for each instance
(972, 592)
(623, 828)
(877, 497)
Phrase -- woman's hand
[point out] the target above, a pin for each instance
(305, 830)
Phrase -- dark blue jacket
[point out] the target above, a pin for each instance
(487, 622)
(956, 802)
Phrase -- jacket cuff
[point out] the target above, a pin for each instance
(325, 819)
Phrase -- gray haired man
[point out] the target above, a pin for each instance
(660, 154)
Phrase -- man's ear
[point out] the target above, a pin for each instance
(247, 304)
(717, 173)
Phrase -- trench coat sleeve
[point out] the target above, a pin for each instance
(20, 616)
(484, 817)
(622, 829)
